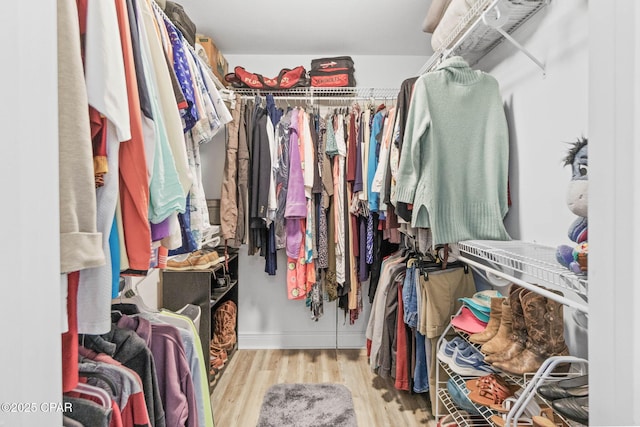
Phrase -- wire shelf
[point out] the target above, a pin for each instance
(460, 382)
(531, 259)
(484, 39)
(473, 40)
(321, 93)
(513, 379)
(461, 417)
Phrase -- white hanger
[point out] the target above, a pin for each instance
(129, 295)
(97, 392)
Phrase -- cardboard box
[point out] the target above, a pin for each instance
(217, 61)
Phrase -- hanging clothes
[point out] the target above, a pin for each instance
(80, 242)
(229, 196)
(282, 177)
(460, 197)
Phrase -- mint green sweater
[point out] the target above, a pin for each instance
(455, 155)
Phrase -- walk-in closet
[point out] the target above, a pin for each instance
(358, 213)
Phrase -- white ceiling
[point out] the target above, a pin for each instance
(331, 27)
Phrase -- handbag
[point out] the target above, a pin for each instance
(287, 78)
(332, 72)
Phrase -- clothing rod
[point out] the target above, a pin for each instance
(325, 98)
(537, 289)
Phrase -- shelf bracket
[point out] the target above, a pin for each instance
(497, 19)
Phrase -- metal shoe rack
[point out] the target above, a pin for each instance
(463, 419)
(521, 263)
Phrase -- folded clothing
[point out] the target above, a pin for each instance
(434, 15)
(455, 11)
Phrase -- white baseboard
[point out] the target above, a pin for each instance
(297, 340)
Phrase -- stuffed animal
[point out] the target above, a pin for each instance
(575, 258)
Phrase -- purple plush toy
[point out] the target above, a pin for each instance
(575, 258)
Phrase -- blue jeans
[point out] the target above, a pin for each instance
(420, 375)
(409, 298)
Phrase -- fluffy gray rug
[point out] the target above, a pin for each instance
(307, 405)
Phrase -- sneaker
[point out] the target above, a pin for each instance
(445, 352)
(469, 365)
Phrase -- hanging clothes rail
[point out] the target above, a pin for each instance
(313, 94)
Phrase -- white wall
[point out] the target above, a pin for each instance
(30, 360)
(592, 56)
(267, 319)
(614, 109)
(544, 113)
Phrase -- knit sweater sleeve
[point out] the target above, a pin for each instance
(418, 122)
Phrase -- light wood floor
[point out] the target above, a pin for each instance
(237, 397)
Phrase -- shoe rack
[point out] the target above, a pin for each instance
(208, 289)
(531, 266)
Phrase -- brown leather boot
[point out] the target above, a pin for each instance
(545, 335)
(224, 325)
(493, 325)
(515, 343)
(504, 330)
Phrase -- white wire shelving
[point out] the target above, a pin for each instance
(483, 27)
(528, 384)
(523, 263)
(319, 94)
(462, 418)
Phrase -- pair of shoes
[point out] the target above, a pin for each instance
(573, 408)
(495, 316)
(526, 418)
(547, 418)
(198, 260)
(217, 358)
(571, 387)
(449, 421)
(217, 352)
(224, 325)
(469, 363)
(532, 415)
(533, 331)
(489, 390)
(459, 397)
(445, 352)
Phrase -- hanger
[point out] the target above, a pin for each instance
(408, 246)
(103, 397)
(130, 296)
(100, 376)
(437, 261)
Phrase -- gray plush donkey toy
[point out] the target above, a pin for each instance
(575, 258)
